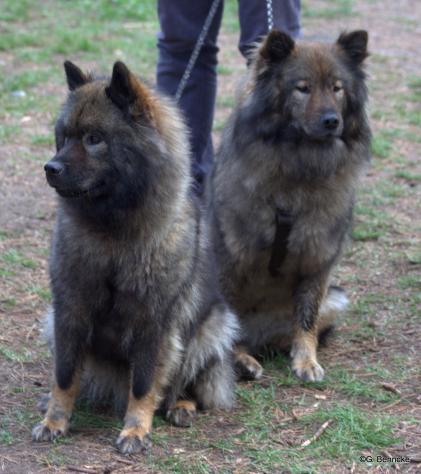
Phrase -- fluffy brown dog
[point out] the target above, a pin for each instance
(282, 192)
(137, 316)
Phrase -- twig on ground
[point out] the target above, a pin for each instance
(2, 456)
(391, 388)
(317, 434)
(81, 469)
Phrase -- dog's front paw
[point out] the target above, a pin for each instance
(133, 443)
(49, 430)
(308, 370)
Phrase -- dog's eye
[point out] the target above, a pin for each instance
(93, 139)
(337, 87)
(303, 88)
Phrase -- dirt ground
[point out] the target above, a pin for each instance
(374, 358)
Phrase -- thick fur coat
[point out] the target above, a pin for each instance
(283, 190)
(137, 317)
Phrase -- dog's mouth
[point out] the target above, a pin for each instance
(93, 191)
(324, 136)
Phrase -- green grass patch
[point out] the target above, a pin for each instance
(24, 80)
(381, 144)
(371, 223)
(175, 464)
(230, 18)
(414, 85)
(15, 257)
(408, 176)
(43, 140)
(17, 10)
(364, 231)
(352, 386)
(72, 41)
(9, 132)
(6, 437)
(352, 431)
(225, 101)
(407, 113)
(11, 39)
(9, 302)
(40, 291)
(13, 355)
(87, 416)
(410, 281)
(224, 70)
(329, 9)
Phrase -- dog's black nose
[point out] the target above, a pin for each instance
(330, 120)
(53, 168)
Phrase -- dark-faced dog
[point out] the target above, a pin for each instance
(282, 192)
(137, 316)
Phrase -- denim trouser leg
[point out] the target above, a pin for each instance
(181, 23)
(254, 20)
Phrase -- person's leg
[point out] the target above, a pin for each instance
(181, 23)
(254, 20)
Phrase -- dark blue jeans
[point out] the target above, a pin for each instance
(181, 23)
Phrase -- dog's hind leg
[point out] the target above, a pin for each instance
(182, 413)
(246, 366)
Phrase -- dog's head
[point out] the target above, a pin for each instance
(312, 87)
(96, 118)
(117, 144)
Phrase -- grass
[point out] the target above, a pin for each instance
(329, 9)
(410, 281)
(14, 257)
(14, 356)
(381, 145)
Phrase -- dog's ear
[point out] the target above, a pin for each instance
(355, 45)
(276, 46)
(121, 90)
(129, 93)
(74, 75)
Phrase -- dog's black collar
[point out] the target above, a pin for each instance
(284, 222)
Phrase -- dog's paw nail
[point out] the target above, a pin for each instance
(42, 432)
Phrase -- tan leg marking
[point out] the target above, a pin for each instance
(59, 411)
(304, 356)
(182, 413)
(135, 436)
(247, 366)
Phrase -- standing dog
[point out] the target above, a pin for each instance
(137, 316)
(282, 192)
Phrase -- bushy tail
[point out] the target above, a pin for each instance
(336, 302)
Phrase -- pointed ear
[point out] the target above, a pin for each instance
(75, 77)
(355, 45)
(276, 46)
(121, 90)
